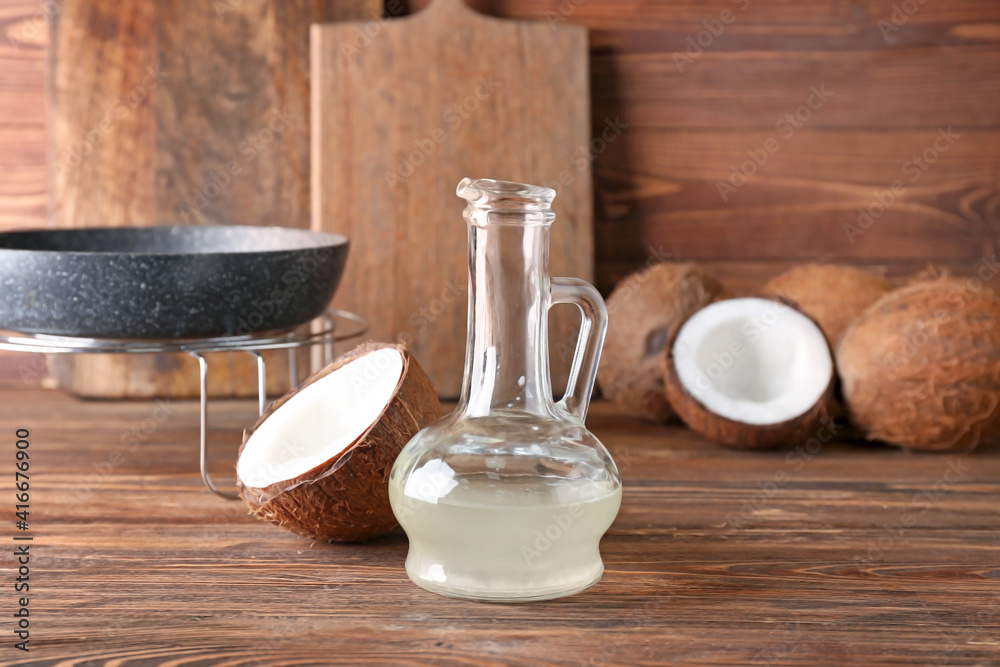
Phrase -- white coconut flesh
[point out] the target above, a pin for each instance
(321, 421)
(753, 361)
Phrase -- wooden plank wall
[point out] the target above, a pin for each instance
(890, 88)
(691, 118)
(23, 33)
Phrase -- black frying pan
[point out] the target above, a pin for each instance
(166, 282)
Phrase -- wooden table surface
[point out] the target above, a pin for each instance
(860, 555)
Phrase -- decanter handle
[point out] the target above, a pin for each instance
(583, 372)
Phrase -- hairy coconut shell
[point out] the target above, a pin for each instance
(833, 295)
(921, 368)
(815, 423)
(645, 310)
(351, 503)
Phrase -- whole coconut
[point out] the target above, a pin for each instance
(831, 294)
(645, 310)
(921, 368)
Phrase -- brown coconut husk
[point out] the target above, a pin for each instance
(833, 295)
(346, 499)
(931, 271)
(920, 369)
(737, 434)
(645, 310)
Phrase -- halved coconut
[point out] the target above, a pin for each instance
(920, 369)
(644, 311)
(318, 461)
(751, 373)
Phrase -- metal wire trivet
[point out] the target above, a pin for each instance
(326, 330)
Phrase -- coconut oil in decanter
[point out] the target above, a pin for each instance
(506, 538)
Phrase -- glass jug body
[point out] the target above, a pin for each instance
(507, 497)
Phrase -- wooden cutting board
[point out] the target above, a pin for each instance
(402, 111)
(181, 112)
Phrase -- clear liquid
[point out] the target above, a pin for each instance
(508, 539)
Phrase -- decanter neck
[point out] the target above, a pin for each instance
(507, 359)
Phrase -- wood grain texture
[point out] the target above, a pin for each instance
(794, 206)
(137, 562)
(23, 37)
(769, 18)
(401, 118)
(181, 112)
(656, 187)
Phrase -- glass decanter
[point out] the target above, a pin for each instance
(507, 497)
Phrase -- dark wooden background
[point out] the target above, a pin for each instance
(656, 185)
(680, 581)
